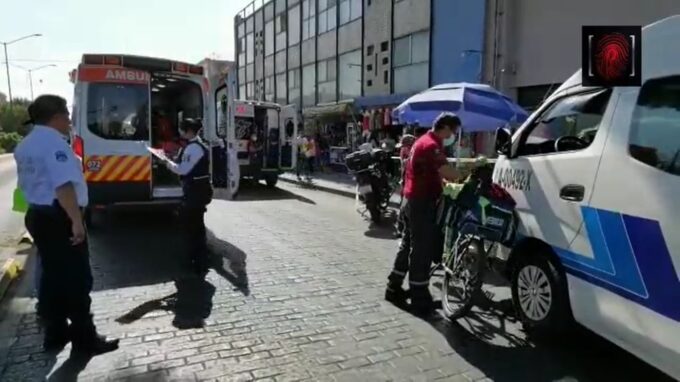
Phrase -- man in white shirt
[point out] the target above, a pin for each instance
(51, 179)
(194, 171)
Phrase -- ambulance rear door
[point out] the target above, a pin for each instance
(113, 126)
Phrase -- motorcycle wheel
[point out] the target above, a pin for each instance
(461, 286)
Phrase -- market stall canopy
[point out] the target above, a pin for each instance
(480, 107)
(331, 110)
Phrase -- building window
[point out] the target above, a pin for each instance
(350, 10)
(386, 76)
(242, 92)
(241, 50)
(385, 60)
(308, 19)
(326, 78)
(294, 85)
(655, 134)
(294, 26)
(269, 89)
(369, 68)
(327, 15)
(281, 29)
(281, 89)
(410, 59)
(349, 79)
(369, 83)
(269, 38)
(250, 90)
(369, 51)
(309, 85)
(250, 48)
(384, 46)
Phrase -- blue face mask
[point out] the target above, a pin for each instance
(450, 141)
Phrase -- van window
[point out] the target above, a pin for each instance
(118, 111)
(576, 116)
(655, 131)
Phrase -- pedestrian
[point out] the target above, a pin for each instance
(422, 240)
(194, 171)
(310, 153)
(51, 179)
(301, 157)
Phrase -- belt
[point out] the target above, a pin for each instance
(49, 207)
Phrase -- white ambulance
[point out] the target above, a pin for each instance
(596, 175)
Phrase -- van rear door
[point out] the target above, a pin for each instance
(115, 103)
(288, 126)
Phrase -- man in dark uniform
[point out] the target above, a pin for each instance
(194, 171)
(51, 178)
(422, 240)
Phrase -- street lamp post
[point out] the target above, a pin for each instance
(9, 83)
(30, 75)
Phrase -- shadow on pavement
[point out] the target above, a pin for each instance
(69, 370)
(191, 304)
(385, 229)
(229, 262)
(251, 191)
(135, 247)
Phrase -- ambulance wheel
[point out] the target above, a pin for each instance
(271, 181)
(540, 296)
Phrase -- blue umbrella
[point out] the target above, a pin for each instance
(480, 107)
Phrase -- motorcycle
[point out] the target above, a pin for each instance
(373, 170)
(475, 216)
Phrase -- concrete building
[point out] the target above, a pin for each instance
(534, 45)
(370, 53)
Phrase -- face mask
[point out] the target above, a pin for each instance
(450, 140)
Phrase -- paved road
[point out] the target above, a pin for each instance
(11, 223)
(297, 296)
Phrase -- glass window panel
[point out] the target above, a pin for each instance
(321, 71)
(345, 9)
(402, 51)
(420, 47)
(356, 9)
(269, 38)
(294, 29)
(331, 18)
(323, 26)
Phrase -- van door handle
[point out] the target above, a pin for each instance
(572, 192)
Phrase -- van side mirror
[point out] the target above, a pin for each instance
(503, 143)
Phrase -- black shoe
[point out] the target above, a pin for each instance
(396, 295)
(423, 306)
(96, 346)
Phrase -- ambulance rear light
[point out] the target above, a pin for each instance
(93, 59)
(112, 60)
(180, 67)
(78, 146)
(193, 69)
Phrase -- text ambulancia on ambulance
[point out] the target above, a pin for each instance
(595, 172)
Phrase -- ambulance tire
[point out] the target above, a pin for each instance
(541, 297)
(271, 181)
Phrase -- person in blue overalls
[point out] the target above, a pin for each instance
(51, 178)
(193, 168)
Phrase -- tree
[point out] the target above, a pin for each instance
(12, 118)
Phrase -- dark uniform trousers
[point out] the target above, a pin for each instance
(66, 280)
(422, 243)
(198, 194)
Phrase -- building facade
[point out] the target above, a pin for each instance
(534, 45)
(371, 53)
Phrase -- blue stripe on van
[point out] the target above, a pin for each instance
(631, 259)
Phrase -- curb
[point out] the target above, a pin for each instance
(331, 190)
(13, 267)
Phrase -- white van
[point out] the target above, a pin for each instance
(596, 176)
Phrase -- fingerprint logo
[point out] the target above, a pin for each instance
(612, 56)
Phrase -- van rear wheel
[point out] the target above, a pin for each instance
(271, 181)
(540, 296)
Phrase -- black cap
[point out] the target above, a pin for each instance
(191, 124)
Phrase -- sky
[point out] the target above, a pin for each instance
(176, 29)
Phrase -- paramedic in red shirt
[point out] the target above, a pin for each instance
(422, 238)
